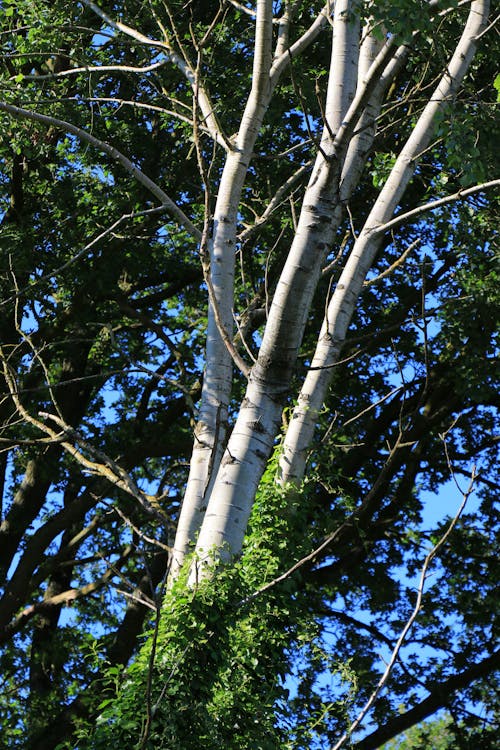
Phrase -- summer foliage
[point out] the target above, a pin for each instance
(249, 341)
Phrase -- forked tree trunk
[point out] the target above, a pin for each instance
(359, 76)
(259, 417)
(343, 303)
(211, 427)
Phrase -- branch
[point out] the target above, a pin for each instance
(373, 405)
(204, 243)
(346, 619)
(80, 253)
(185, 68)
(243, 8)
(64, 598)
(403, 218)
(91, 69)
(142, 105)
(281, 195)
(169, 205)
(437, 698)
(104, 466)
(128, 30)
(418, 605)
(393, 266)
(363, 93)
(138, 599)
(140, 534)
(310, 557)
(300, 45)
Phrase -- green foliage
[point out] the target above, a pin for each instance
(496, 84)
(212, 672)
(382, 165)
(444, 734)
(103, 319)
(436, 734)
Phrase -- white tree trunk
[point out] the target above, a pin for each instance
(211, 428)
(342, 305)
(251, 442)
(362, 140)
(212, 419)
(258, 421)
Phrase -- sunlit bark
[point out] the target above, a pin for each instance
(258, 421)
(210, 431)
(342, 305)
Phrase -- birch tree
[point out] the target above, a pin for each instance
(259, 417)
(250, 323)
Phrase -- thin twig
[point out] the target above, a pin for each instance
(408, 215)
(393, 266)
(418, 605)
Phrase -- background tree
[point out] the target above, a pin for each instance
(440, 734)
(250, 304)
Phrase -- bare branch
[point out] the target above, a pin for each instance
(418, 605)
(459, 195)
(104, 466)
(128, 30)
(310, 557)
(438, 697)
(393, 266)
(300, 45)
(242, 8)
(169, 205)
(184, 66)
(139, 532)
(280, 197)
(141, 105)
(139, 599)
(93, 69)
(379, 401)
(64, 598)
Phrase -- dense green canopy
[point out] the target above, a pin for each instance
(103, 316)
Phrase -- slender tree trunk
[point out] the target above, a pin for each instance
(258, 421)
(212, 420)
(342, 305)
(211, 428)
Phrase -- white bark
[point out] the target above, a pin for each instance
(258, 421)
(362, 139)
(343, 68)
(300, 430)
(212, 420)
(341, 308)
